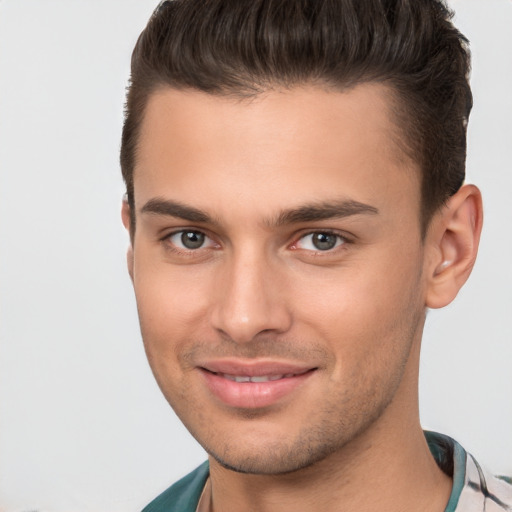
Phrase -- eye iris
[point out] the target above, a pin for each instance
(324, 241)
(192, 239)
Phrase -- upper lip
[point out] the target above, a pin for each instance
(254, 368)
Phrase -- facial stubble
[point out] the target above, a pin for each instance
(340, 418)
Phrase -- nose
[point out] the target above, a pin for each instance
(250, 300)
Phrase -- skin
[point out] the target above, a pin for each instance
(259, 290)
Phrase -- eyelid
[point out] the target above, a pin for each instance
(212, 243)
(209, 240)
(344, 238)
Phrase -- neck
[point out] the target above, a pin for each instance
(388, 467)
(402, 477)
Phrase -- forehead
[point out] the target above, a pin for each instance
(273, 150)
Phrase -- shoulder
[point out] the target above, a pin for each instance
(184, 495)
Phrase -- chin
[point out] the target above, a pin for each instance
(270, 465)
(275, 458)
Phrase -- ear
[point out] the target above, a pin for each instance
(452, 241)
(126, 217)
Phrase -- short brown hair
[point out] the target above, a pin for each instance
(243, 47)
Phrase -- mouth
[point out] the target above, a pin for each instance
(258, 378)
(252, 385)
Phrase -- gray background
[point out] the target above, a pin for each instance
(83, 427)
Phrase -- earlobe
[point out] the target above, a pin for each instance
(453, 241)
(129, 261)
(126, 217)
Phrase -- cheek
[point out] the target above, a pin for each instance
(165, 314)
(366, 308)
(172, 306)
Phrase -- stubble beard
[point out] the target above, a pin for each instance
(337, 424)
(313, 444)
(343, 418)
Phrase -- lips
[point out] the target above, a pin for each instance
(253, 384)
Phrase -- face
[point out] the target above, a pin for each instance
(277, 264)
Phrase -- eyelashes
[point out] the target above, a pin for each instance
(193, 242)
(190, 240)
(319, 241)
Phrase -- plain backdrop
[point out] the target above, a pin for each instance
(83, 426)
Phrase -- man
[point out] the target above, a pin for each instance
(295, 202)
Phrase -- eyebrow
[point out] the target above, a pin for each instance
(307, 213)
(323, 211)
(159, 206)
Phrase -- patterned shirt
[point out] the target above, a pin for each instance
(473, 490)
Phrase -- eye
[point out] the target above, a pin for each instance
(190, 240)
(319, 241)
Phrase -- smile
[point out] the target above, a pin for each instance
(253, 385)
(263, 378)
(258, 378)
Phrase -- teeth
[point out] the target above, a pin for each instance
(265, 378)
(260, 378)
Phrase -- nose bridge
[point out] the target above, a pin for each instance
(249, 299)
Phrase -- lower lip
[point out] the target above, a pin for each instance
(252, 395)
